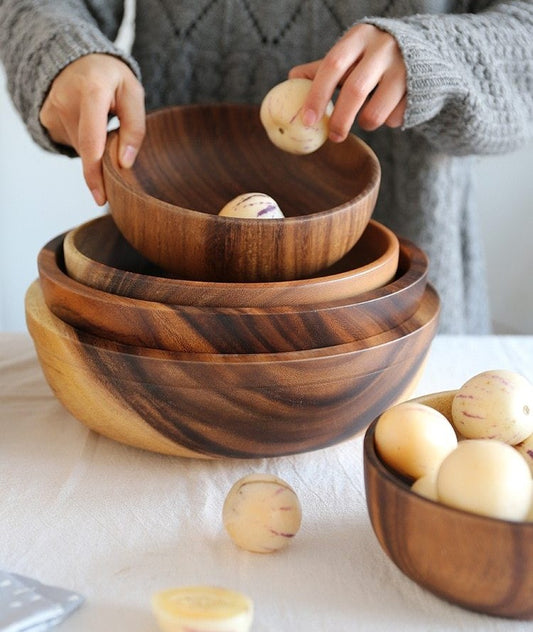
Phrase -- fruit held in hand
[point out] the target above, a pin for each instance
(281, 116)
(202, 609)
(494, 405)
(253, 206)
(261, 513)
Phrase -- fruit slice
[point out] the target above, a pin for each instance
(202, 609)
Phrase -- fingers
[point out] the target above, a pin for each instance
(376, 109)
(368, 67)
(131, 113)
(77, 108)
(396, 117)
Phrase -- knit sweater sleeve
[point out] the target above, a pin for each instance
(38, 38)
(469, 77)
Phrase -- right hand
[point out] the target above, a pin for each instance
(75, 113)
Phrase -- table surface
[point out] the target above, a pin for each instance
(117, 524)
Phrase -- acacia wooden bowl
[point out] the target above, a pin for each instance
(236, 405)
(96, 254)
(195, 158)
(231, 329)
(479, 563)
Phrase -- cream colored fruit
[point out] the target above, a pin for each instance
(281, 116)
(252, 206)
(261, 513)
(413, 438)
(525, 448)
(426, 486)
(494, 405)
(486, 477)
(529, 517)
(202, 609)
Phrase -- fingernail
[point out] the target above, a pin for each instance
(336, 138)
(128, 156)
(308, 118)
(98, 196)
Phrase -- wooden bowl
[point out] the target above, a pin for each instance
(230, 329)
(196, 158)
(240, 405)
(97, 255)
(479, 563)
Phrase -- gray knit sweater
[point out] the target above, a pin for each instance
(470, 91)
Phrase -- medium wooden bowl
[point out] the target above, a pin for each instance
(196, 158)
(97, 255)
(230, 329)
(479, 563)
(240, 405)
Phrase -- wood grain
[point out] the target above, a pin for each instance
(194, 159)
(226, 329)
(235, 405)
(479, 563)
(96, 254)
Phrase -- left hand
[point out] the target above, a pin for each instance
(368, 66)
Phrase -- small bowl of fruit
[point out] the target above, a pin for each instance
(449, 490)
(214, 195)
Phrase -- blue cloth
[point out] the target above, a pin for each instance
(26, 605)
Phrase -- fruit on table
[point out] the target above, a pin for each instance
(413, 438)
(253, 206)
(202, 609)
(281, 116)
(487, 477)
(494, 405)
(261, 513)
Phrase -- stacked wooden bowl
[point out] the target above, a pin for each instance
(170, 328)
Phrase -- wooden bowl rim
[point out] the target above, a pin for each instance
(330, 365)
(410, 328)
(372, 459)
(109, 165)
(416, 272)
(392, 250)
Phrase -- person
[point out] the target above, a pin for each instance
(429, 84)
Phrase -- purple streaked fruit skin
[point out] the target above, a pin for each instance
(261, 513)
(252, 206)
(496, 404)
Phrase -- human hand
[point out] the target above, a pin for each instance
(368, 66)
(76, 110)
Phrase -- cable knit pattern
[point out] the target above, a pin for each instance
(469, 74)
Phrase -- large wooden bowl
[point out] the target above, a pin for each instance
(196, 158)
(97, 255)
(479, 563)
(231, 329)
(217, 405)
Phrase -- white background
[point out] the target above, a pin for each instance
(42, 195)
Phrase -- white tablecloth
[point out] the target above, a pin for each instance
(117, 524)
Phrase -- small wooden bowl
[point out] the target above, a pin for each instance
(479, 563)
(240, 405)
(228, 329)
(97, 255)
(196, 158)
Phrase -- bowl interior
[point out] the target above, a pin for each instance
(196, 158)
(199, 158)
(97, 254)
